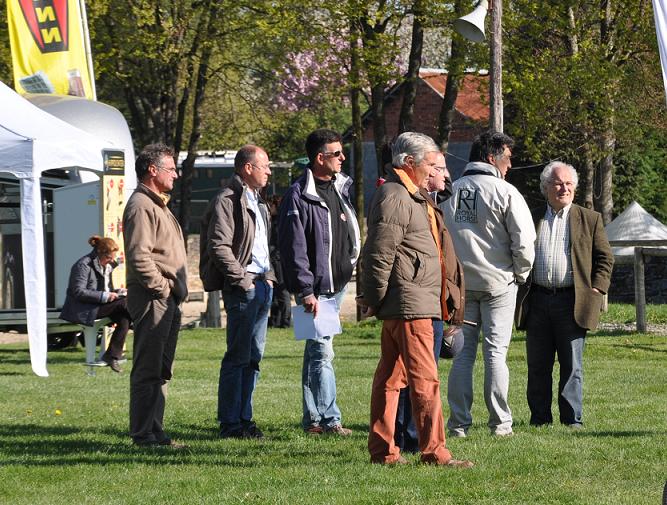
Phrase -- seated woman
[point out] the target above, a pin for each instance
(90, 296)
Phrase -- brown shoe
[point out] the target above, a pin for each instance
(338, 430)
(168, 442)
(460, 463)
(400, 461)
(314, 430)
(111, 362)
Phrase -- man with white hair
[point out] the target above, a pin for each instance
(404, 284)
(564, 295)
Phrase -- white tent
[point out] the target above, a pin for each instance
(634, 223)
(32, 141)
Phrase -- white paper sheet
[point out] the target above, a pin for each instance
(327, 322)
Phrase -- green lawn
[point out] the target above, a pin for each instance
(63, 438)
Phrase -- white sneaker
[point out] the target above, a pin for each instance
(503, 432)
(457, 434)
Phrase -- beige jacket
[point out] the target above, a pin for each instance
(402, 274)
(155, 254)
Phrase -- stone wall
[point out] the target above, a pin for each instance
(622, 289)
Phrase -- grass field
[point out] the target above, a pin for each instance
(63, 439)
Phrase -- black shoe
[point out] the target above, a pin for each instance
(252, 431)
(224, 433)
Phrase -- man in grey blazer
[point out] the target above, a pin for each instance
(564, 295)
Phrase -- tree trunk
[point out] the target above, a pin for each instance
(412, 76)
(187, 169)
(604, 203)
(357, 147)
(455, 71)
(379, 125)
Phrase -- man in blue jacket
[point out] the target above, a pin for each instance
(319, 246)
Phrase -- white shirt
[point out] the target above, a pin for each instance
(260, 248)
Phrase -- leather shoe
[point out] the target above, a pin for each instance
(400, 461)
(459, 463)
(165, 442)
(338, 430)
(240, 433)
(252, 431)
(111, 362)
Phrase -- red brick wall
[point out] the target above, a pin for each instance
(426, 116)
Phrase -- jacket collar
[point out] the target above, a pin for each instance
(480, 166)
(162, 199)
(574, 219)
(399, 176)
(341, 182)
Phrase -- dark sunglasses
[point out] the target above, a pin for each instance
(335, 154)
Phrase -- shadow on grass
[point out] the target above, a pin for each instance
(618, 434)
(40, 446)
(640, 347)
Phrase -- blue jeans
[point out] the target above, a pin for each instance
(551, 330)
(405, 432)
(319, 381)
(247, 317)
(494, 316)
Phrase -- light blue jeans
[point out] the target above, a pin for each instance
(247, 318)
(319, 380)
(494, 317)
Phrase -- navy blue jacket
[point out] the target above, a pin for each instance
(304, 236)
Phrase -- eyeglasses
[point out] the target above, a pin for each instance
(169, 170)
(260, 168)
(334, 154)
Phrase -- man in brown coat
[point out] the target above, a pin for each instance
(404, 283)
(156, 286)
(563, 296)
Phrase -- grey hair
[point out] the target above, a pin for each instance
(411, 144)
(547, 175)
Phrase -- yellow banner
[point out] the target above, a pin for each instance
(48, 47)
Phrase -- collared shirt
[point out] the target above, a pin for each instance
(260, 248)
(553, 261)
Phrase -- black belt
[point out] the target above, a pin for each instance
(257, 277)
(551, 291)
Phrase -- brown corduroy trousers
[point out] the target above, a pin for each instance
(406, 359)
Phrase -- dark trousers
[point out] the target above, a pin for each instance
(117, 312)
(550, 331)
(281, 308)
(156, 326)
(405, 434)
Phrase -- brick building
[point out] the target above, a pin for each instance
(471, 118)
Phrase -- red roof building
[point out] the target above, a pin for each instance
(472, 107)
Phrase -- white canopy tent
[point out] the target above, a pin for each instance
(634, 223)
(32, 141)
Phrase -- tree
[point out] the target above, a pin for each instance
(568, 64)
